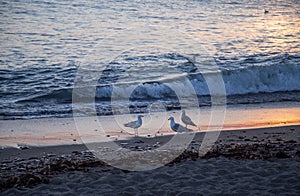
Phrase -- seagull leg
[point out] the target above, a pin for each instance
(137, 132)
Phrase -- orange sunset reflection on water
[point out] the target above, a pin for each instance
(256, 118)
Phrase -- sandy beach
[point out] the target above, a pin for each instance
(149, 97)
(255, 161)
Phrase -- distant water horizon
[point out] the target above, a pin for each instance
(45, 43)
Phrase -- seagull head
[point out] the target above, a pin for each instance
(140, 116)
(183, 111)
(171, 118)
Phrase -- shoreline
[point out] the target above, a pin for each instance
(61, 131)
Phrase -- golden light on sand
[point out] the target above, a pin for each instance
(262, 117)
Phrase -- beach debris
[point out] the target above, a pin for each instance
(157, 144)
(139, 141)
(290, 141)
(282, 155)
(51, 155)
(28, 172)
(23, 146)
(297, 155)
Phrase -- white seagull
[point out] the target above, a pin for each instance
(187, 120)
(135, 125)
(177, 127)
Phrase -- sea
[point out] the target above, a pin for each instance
(145, 55)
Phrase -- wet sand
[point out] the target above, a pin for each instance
(61, 131)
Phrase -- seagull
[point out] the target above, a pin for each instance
(177, 127)
(187, 120)
(135, 124)
(266, 11)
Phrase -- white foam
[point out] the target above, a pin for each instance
(255, 79)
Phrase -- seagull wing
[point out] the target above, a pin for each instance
(175, 127)
(179, 128)
(187, 120)
(182, 129)
(133, 124)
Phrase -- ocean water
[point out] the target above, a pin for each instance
(138, 55)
